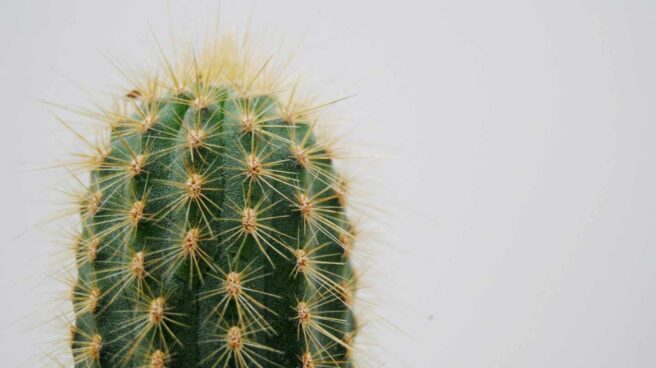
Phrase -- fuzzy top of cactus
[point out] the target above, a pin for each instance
(214, 229)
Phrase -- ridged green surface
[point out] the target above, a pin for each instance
(157, 157)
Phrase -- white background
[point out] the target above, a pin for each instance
(516, 156)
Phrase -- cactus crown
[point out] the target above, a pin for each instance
(214, 230)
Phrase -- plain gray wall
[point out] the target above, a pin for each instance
(516, 157)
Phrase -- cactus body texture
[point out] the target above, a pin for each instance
(214, 232)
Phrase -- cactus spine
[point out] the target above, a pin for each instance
(214, 230)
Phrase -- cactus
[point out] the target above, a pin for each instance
(213, 228)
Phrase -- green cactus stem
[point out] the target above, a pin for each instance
(214, 230)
